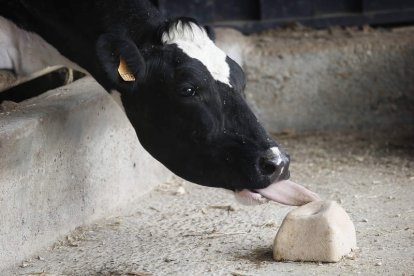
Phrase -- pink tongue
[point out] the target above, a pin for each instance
(289, 193)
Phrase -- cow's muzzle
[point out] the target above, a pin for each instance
(274, 164)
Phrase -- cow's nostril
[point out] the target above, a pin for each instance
(267, 166)
(274, 164)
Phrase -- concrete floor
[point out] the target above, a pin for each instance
(185, 229)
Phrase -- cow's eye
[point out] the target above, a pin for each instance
(188, 92)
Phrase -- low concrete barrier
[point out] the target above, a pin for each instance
(67, 157)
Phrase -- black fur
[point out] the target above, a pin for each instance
(200, 128)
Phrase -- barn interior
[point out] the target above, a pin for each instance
(332, 82)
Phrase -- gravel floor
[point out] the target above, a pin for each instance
(185, 229)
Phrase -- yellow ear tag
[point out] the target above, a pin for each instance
(124, 71)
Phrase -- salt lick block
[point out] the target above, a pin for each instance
(318, 231)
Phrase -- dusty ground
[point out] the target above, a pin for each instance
(204, 231)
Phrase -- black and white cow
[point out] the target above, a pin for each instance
(181, 93)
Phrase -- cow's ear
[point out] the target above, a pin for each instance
(121, 61)
(210, 32)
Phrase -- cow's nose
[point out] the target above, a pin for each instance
(274, 164)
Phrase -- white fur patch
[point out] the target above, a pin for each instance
(194, 42)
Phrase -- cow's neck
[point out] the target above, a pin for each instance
(75, 37)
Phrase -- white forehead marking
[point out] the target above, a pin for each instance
(194, 42)
(277, 154)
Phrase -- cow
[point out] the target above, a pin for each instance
(181, 93)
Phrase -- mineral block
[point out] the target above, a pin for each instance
(318, 231)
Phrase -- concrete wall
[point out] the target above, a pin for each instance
(67, 157)
(306, 80)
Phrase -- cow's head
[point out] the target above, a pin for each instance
(184, 99)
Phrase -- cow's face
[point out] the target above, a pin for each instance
(187, 108)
